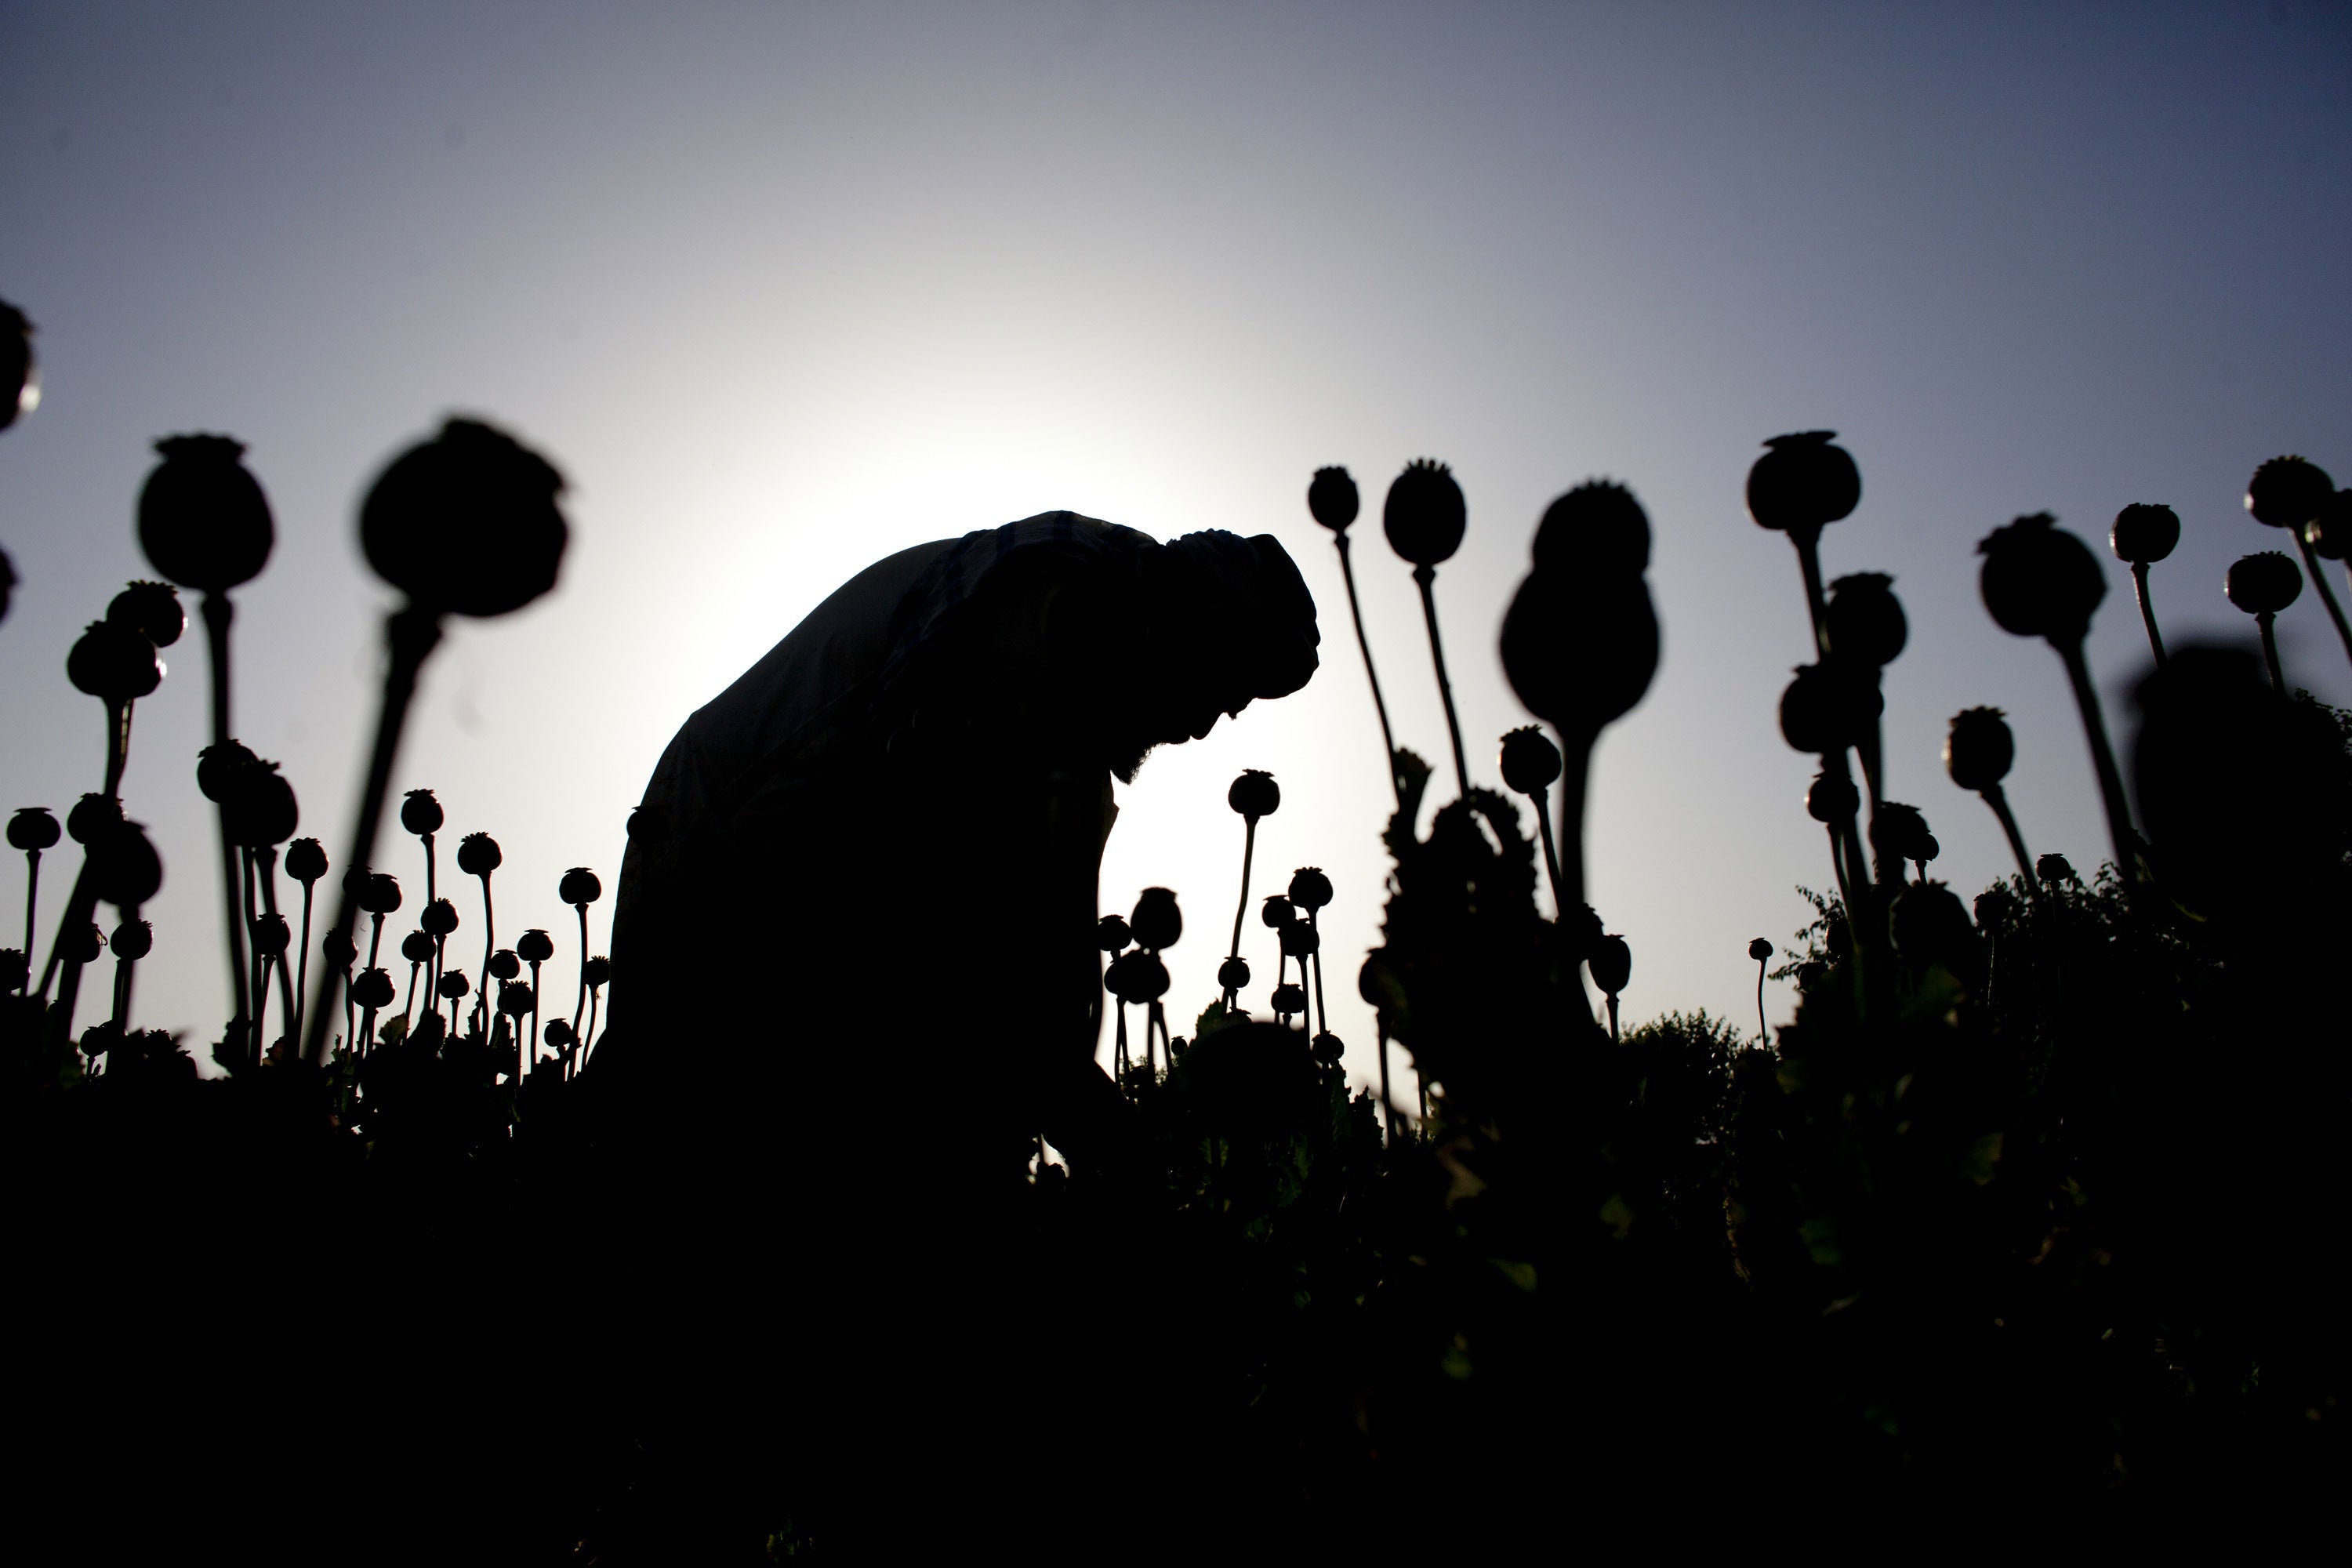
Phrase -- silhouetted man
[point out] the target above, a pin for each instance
(855, 971)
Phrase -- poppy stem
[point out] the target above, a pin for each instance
(410, 634)
(2148, 611)
(1612, 1019)
(1426, 576)
(1763, 1029)
(433, 976)
(301, 968)
(1808, 562)
(415, 968)
(1249, 849)
(530, 1043)
(2327, 594)
(1542, 799)
(1118, 1049)
(1355, 613)
(2266, 621)
(217, 615)
(1388, 1101)
(1997, 798)
(2103, 755)
(117, 714)
(32, 904)
(593, 997)
(581, 1006)
(1322, 1008)
(489, 947)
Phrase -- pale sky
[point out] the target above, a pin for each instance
(786, 288)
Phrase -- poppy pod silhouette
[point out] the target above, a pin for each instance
(1610, 961)
(306, 862)
(1253, 794)
(1424, 518)
(1978, 753)
(2289, 493)
(1529, 762)
(534, 947)
(33, 829)
(421, 814)
(116, 664)
(2144, 534)
(1865, 624)
(1760, 950)
(2262, 586)
(1332, 500)
(478, 855)
(1800, 486)
(150, 609)
(579, 887)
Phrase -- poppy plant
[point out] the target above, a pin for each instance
(1332, 500)
(2289, 493)
(1424, 519)
(2144, 534)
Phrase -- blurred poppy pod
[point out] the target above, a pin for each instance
(504, 965)
(1759, 950)
(2330, 532)
(1277, 911)
(132, 940)
(439, 919)
(271, 934)
(1979, 749)
(515, 1000)
(306, 860)
(1899, 832)
(648, 825)
(20, 382)
(2055, 867)
(15, 969)
(1931, 925)
(1332, 499)
(1580, 651)
(1865, 619)
(2287, 492)
(453, 984)
(1255, 793)
(1289, 999)
(372, 988)
(1598, 527)
(1310, 889)
(93, 817)
(1300, 940)
(534, 946)
(2265, 584)
(1424, 516)
(579, 886)
(597, 971)
(33, 829)
(1829, 707)
(1155, 919)
(1234, 974)
(559, 1034)
(379, 894)
(203, 519)
(1137, 977)
(81, 944)
(1611, 961)
(478, 855)
(2039, 580)
(1832, 798)
(466, 523)
(1111, 935)
(420, 813)
(1327, 1048)
(1802, 483)
(417, 947)
(113, 664)
(150, 609)
(1529, 761)
(259, 808)
(124, 869)
(2144, 534)
(217, 766)
(339, 950)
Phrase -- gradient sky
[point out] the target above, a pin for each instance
(786, 288)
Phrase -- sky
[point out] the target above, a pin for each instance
(784, 289)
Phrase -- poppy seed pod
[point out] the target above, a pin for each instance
(596, 972)
(134, 940)
(515, 1000)
(271, 935)
(453, 984)
(2039, 580)
(150, 609)
(2330, 532)
(1300, 940)
(306, 860)
(1234, 974)
(478, 855)
(1289, 997)
(534, 946)
(1598, 527)
(2287, 492)
(1802, 483)
(439, 919)
(1310, 889)
(1833, 798)
(1930, 925)
(372, 988)
(1155, 919)
(1830, 707)
(1327, 1048)
(34, 828)
(2054, 868)
(1137, 977)
(1111, 935)
(2263, 583)
(558, 1034)
(1611, 961)
(1424, 516)
(1332, 499)
(2145, 533)
(203, 519)
(82, 944)
(579, 886)
(1255, 793)
(217, 765)
(14, 969)
(258, 807)
(420, 814)
(339, 950)
(93, 817)
(379, 894)
(1580, 649)
(417, 947)
(1759, 950)
(1277, 911)
(1899, 832)
(1865, 619)
(1979, 749)
(466, 523)
(1529, 761)
(113, 664)
(504, 965)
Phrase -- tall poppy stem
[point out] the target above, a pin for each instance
(32, 904)
(1575, 776)
(2103, 756)
(1997, 798)
(1322, 1009)
(1763, 1029)
(489, 948)
(1388, 1101)
(1355, 613)
(1542, 799)
(411, 634)
(2267, 620)
(1808, 562)
(1249, 849)
(217, 615)
(2148, 611)
(1426, 576)
(2326, 594)
(302, 968)
(581, 1006)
